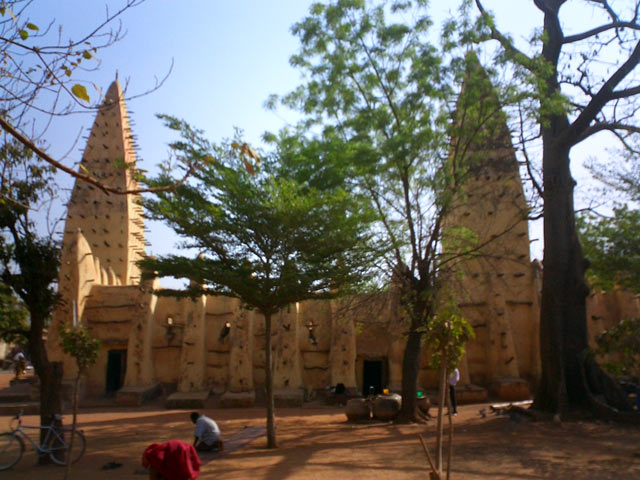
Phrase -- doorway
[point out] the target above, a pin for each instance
(372, 376)
(116, 368)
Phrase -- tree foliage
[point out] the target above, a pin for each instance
(611, 246)
(29, 261)
(447, 335)
(255, 227)
(77, 342)
(13, 317)
(375, 87)
(268, 234)
(620, 347)
(378, 90)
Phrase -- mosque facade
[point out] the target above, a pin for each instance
(194, 348)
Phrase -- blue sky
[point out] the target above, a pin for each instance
(229, 56)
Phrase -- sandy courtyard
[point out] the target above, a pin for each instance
(318, 443)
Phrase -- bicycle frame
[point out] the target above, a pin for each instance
(42, 448)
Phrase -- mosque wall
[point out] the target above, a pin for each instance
(211, 344)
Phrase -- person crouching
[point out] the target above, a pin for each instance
(207, 434)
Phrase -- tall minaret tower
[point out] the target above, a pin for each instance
(495, 285)
(112, 224)
(104, 233)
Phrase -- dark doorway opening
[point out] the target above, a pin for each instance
(372, 376)
(116, 368)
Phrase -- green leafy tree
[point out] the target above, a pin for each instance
(447, 335)
(611, 246)
(29, 262)
(264, 236)
(609, 240)
(14, 327)
(378, 91)
(622, 177)
(77, 342)
(620, 348)
(568, 98)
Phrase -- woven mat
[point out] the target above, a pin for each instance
(234, 442)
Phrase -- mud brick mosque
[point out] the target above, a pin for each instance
(192, 349)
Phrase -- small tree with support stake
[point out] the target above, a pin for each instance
(77, 342)
(446, 336)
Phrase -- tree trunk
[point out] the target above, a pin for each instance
(569, 378)
(74, 422)
(271, 427)
(49, 373)
(450, 446)
(410, 369)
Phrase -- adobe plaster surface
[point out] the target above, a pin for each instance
(179, 342)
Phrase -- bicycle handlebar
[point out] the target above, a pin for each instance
(16, 418)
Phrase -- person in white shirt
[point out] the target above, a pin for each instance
(453, 380)
(19, 364)
(207, 434)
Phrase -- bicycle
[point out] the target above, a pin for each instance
(12, 444)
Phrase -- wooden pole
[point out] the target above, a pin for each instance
(450, 450)
(426, 452)
(441, 400)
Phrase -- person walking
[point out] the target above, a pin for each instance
(453, 380)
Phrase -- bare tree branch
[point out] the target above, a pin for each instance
(88, 178)
(595, 31)
(576, 130)
(507, 44)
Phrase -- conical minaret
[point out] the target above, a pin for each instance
(491, 203)
(495, 286)
(112, 224)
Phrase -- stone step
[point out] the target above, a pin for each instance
(238, 399)
(288, 397)
(187, 400)
(466, 394)
(27, 408)
(15, 397)
(511, 389)
(136, 396)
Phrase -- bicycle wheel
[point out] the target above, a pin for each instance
(59, 446)
(11, 450)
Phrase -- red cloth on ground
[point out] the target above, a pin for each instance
(175, 460)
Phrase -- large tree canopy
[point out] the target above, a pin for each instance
(268, 233)
(375, 87)
(379, 88)
(611, 245)
(29, 263)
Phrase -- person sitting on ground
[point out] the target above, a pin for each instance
(173, 460)
(207, 434)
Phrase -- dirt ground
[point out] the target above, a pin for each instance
(317, 443)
